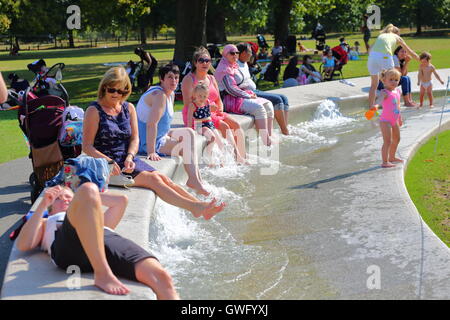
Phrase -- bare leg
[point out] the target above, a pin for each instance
(86, 216)
(430, 95)
(394, 144)
(281, 119)
(183, 144)
(386, 133)
(261, 124)
(153, 181)
(422, 94)
(373, 90)
(238, 136)
(150, 272)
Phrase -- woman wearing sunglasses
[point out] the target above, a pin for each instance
(243, 101)
(201, 63)
(110, 131)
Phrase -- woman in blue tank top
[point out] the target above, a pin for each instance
(110, 131)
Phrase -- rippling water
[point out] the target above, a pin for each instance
(250, 250)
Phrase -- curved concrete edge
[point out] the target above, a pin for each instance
(434, 281)
(52, 283)
(409, 155)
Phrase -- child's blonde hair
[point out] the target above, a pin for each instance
(201, 86)
(425, 55)
(391, 72)
(390, 28)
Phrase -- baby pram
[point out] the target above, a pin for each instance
(262, 41)
(48, 81)
(342, 56)
(40, 119)
(320, 36)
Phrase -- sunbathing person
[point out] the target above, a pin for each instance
(78, 232)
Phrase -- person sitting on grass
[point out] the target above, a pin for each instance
(329, 62)
(308, 69)
(78, 232)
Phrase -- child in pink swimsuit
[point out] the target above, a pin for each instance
(390, 119)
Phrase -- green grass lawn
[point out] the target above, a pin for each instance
(84, 69)
(428, 183)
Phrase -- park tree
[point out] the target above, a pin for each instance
(233, 17)
(190, 28)
(420, 13)
(162, 16)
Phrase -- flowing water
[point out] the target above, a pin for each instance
(264, 245)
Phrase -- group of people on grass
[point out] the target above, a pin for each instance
(115, 130)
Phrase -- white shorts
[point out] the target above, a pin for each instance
(378, 62)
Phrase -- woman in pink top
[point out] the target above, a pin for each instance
(201, 63)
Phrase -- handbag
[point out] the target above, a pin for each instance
(121, 180)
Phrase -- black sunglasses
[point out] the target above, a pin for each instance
(203, 60)
(233, 52)
(113, 90)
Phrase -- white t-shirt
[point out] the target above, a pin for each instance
(246, 83)
(53, 223)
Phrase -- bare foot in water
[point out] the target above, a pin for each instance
(387, 165)
(110, 284)
(396, 160)
(207, 209)
(197, 187)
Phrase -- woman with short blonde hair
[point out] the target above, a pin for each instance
(115, 76)
(110, 131)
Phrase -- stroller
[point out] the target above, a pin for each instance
(185, 68)
(320, 36)
(48, 80)
(262, 41)
(271, 71)
(215, 54)
(40, 119)
(342, 56)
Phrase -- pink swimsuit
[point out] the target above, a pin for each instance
(391, 112)
(216, 116)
